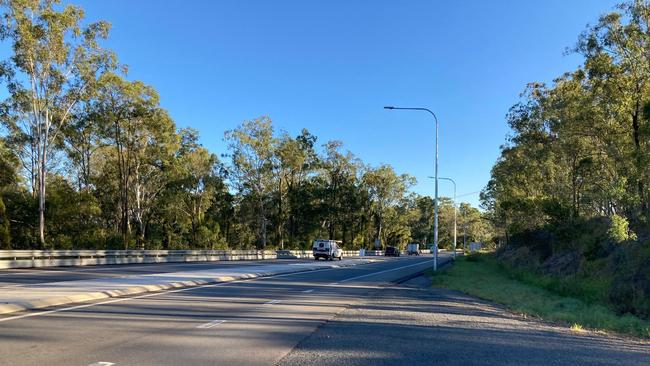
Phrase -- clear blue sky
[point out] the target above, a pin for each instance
(330, 66)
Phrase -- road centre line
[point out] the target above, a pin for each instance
(272, 302)
(77, 307)
(308, 291)
(211, 324)
(101, 363)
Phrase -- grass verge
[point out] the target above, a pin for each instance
(481, 276)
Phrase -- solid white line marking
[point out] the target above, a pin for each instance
(211, 324)
(272, 302)
(386, 271)
(333, 284)
(101, 363)
(156, 294)
(308, 291)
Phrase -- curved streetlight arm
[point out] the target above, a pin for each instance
(413, 109)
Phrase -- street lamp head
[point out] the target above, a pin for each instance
(389, 107)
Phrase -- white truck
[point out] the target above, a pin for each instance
(413, 249)
(327, 249)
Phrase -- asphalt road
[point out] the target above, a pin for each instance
(342, 316)
(252, 322)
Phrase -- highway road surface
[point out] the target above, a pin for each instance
(252, 322)
(341, 316)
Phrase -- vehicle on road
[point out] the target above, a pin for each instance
(327, 249)
(391, 252)
(413, 249)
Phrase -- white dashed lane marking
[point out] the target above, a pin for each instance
(211, 324)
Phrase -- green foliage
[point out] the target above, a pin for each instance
(5, 238)
(533, 295)
(630, 287)
(119, 174)
(573, 178)
(619, 230)
(54, 67)
(579, 146)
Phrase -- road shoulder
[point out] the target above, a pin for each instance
(409, 324)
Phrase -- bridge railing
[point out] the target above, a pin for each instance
(60, 258)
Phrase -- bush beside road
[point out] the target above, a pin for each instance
(480, 275)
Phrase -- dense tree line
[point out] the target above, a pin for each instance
(570, 193)
(90, 159)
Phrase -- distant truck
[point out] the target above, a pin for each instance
(327, 249)
(413, 249)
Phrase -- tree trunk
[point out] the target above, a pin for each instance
(41, 191)
(41, 203)
(638, 153)
(262, 223)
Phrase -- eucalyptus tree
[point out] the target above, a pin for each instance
(196, 185)
(56, 61)
(252, 146)
(142, 140)
(8, 164)
(617, 63)
(339, 171)
(386, 191)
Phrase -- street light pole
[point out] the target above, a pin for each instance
(435, 204)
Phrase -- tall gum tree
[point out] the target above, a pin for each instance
(617, 60)
(252, 146)
(56, 62)
(143, 139)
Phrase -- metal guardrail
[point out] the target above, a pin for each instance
(61, 258)
(55, 258)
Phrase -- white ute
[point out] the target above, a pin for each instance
(413, 249)
(327, 249)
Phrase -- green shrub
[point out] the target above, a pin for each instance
(619, 230)
(529, 293)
